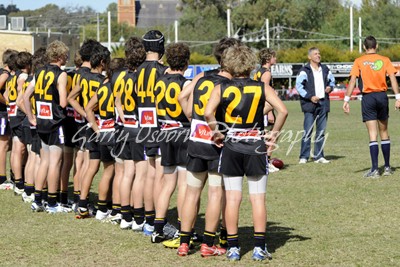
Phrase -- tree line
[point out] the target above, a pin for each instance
(294, 25)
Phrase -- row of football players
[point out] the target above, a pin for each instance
(143, 91)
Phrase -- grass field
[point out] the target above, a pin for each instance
(319, 215)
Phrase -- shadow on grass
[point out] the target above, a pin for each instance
(277, 236)
(381, 169)
(172, 217)
(334, 157)
(286, 166)
(329, 157)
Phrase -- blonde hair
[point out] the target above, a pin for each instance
(55, 50)
(239, 60)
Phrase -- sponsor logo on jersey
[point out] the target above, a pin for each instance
(147, 117)
(45, 111)
(12, 109)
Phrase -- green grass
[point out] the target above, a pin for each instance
(319, 215)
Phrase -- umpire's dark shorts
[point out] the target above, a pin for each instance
(375, 106)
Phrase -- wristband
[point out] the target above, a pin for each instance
(397, 96)
(347, 98)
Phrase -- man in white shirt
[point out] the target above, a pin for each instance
(314, 83)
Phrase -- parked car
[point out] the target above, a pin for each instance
(339, 92)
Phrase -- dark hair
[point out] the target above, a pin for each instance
(100, 55)
(87, 49)
(7, 54)
(39, 58)
(132, 44)
(135, 52)
(115, 64)
(222, 45)
(178, 55)
(370, 42)
(78, 59)
(153, 41)
(265, 55)
(24, 60)
(10, 58)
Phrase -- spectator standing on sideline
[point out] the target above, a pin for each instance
(314, 83)
(372, 70)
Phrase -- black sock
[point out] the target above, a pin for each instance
(19, 183)
(209, 238)
(185, 237)
(109, 205)
(385, 146)
(126, 213)
(138, 214)
(374, 152)
(150, 215)
(29, 189)
(233, 240)
(102, 205)
(159, 224)
(64, 197)
(23, 172)
(223, 233)
(12, 177)
(83, 203)
(77, 196)
(116, 208)
(38, 197)
(52, 199)
(3, 178)
(259, 240)
(45, 194)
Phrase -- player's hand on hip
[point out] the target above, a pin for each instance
(32, 120)
(218, 139)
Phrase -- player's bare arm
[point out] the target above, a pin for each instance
(395, 87)
(277, 104)
(73, 102)
(185, 98)
(92, 104)
(20, 95)
(209, 115)
(27, 102)
(118, 106)
(349, 91)
(62, 89)
(3, 79)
